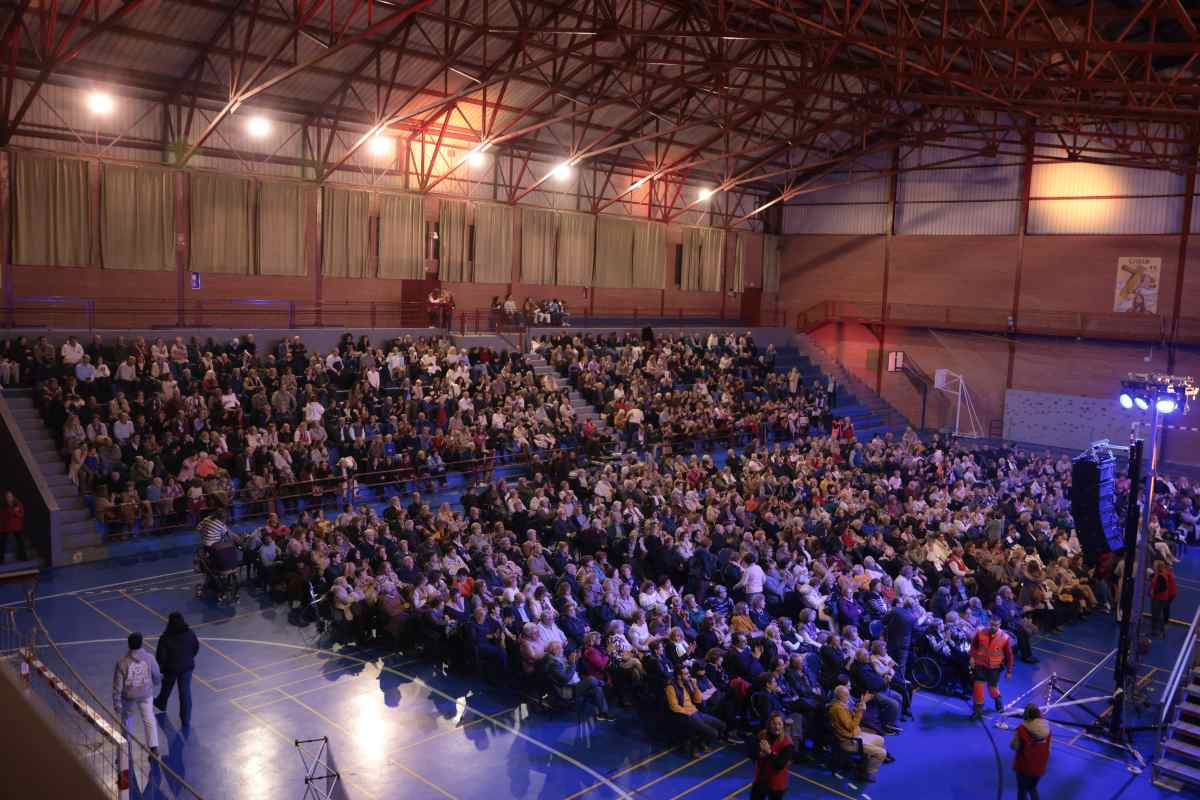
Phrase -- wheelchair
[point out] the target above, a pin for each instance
(219, 577)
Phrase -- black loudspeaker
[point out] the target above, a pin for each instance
(648, 334)
(1093, 505)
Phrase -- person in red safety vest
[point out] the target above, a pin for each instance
(772, 753)
(991, 649)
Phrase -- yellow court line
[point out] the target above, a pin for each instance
(242, 615)
(450, 731)
(738, 791)
(1075, 658)
(1070, 644)
(298, 680)
(225, 656)
(829, 789)
(679, 769)
(389, 759)
(624, 772)
(292, 741)
(417, 681)
(712, 778)
(127, 629)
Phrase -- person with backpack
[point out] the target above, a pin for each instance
(1032, 745)
(136, 680)
(176, 657)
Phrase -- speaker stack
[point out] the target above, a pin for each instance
(1093, 505)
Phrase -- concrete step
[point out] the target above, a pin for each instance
(1189, 710)
(60, 481)
(1178, 770)
(79, 528)
(1186, 729)
(1183, 751)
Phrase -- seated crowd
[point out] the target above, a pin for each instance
(552, 311)
(656, 392)
(711, 596)
(177, 429)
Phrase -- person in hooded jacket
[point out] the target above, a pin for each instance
(1032, 745)
(176, 657)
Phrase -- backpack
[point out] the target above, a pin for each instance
(137, 675)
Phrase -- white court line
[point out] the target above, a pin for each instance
(101, 586)
(414, 679)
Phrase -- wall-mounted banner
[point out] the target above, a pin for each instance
(1137, 285)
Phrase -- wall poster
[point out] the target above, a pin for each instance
(1137, 285)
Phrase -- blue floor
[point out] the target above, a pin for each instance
(396, 731)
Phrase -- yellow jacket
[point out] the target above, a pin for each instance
(684, 702)
(844, 721)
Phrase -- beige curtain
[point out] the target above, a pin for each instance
(576, 248)
(494, 242)
(137, 218)
(401, 236)
(771, 248)
(649, 254)
(281, 229)
(738, 279)
(345, 233)
(702, 259)
(222, 219)
(614, 252)
(52, 216)
(452, 241)
(539, 238)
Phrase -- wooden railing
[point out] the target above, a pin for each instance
(1093, 325)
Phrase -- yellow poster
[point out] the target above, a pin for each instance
(1137, 285)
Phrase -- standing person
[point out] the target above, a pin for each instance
(136, 679)
(1162, 592)
(991, 649)
(1032, 745)
(12, 527)
(176, 657)
(772, 753)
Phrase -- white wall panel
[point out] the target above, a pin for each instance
(853, 208)
(1076, 197)
(978, 195)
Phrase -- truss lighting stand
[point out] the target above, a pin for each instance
(317, 769)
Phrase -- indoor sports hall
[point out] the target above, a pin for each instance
(646, 399)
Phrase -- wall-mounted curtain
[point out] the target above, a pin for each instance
(614, 252)
(452, 240)
(738, 279)
(702, 259)
(771, 248)
(576, 248)
(281, 229)
(52, 212)
(345, 233)
(649, 254)
(539, 237)
(137, 218)
(222, 221)
(494, 242)
(401, 236)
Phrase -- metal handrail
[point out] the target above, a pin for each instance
(1169, 696)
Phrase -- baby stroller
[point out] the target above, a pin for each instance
(220, 565)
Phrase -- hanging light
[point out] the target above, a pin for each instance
(705, 193)
(562, 171)
(476, 158)
(100, 103)
(1126, 400)
(1166, 404)
(380, 145)
(1141, 402)
(258, 126)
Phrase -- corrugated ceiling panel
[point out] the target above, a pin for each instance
(958, 219)
(853, 208)
(975, 178)
(1109, 199)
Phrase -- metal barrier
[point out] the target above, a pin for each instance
(1170, 694)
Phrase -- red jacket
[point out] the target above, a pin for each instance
(12, 518)
(1032, 743)
(771, 771)
(1162, 587)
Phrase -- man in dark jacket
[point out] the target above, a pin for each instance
(176, 656)
(899, 626)
(866, 680)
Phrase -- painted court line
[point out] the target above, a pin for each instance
(101, 586)
(625, 771)
(712, 778)
(433, 690)
(223, 655)
(388, 758)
